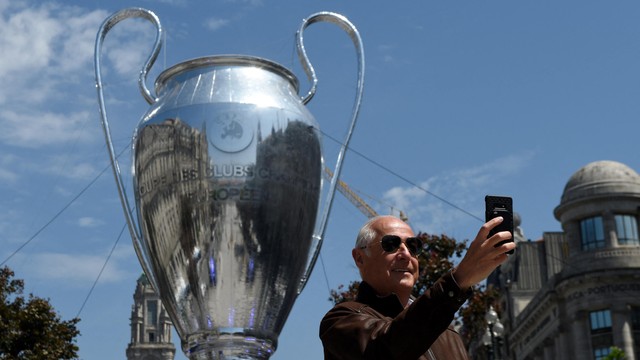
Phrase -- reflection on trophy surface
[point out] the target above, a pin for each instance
(241, 231)
(227, 170)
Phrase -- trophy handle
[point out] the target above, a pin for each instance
(350, 29)
(106, 26)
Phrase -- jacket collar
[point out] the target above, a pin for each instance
(389, 305)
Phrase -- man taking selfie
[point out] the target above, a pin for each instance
(384, 322)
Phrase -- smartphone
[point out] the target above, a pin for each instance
(500, 206)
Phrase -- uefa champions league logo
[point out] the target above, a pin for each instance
(229, 133)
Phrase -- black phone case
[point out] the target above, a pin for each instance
(500, 206)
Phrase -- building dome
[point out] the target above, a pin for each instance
(601, 178)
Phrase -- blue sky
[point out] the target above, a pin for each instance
(461, 99)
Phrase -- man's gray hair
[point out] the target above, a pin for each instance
(367, 233)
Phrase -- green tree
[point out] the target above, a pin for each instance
(472, 314)
(30, 328)
(616, 354)
(437, 259)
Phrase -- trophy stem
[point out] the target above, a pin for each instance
(230, 344)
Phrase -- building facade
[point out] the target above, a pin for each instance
(150, 326)
(575, 294)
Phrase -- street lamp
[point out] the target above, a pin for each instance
(495, 329)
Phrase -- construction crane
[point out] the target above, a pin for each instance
(356, 200)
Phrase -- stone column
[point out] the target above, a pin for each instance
(580, 330)
(621, 329)
(609, 225)
(561, 344)
(549, 353)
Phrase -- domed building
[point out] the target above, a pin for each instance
(575, 294)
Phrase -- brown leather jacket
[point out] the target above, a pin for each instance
(374, 327)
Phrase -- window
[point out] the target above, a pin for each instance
(592, 233)
(600, 354)
(635, 318)
(600, 320)
(627, 230)
(152, 337)
(601, 337)
(152, 312)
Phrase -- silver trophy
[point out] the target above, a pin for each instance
(228, 179)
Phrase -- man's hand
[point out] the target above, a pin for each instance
(483, 257)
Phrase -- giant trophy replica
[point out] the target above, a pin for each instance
(227, 175)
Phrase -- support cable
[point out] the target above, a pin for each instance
(113, 248)
(64, 208)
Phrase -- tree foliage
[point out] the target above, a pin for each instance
(437, 258)
(30, 328)
(616, 354)
(472, 314)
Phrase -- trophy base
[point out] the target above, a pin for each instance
(229, 344)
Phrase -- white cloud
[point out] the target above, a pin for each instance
(67, 166)
(462, 188)
(247, 2)
(47, 59)
(174, 2)
(7, 167)
(46, 49)
(73, 268)
(404, 198)
(8, 176)
(89, 222)
(9, 217)
(214, 24)
(27, 36)
(77, 43)
(34, 129)
(128, 45)
(43, 47)
(63, 191)
(485, 174)
(387, 52)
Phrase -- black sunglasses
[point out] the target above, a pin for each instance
(391, 244)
